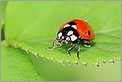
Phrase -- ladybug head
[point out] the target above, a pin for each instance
(67, 35)
(63, 39)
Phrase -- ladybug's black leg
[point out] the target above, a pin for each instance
(54, 45)
(77, 54)
(68, 52)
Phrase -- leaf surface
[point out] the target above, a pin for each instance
(32, 26)
(37, 28)
(17, 66)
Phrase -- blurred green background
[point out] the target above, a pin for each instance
(29, 21)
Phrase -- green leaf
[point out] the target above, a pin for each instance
(17, 66)
(102, 51)
(32, 26)
(35, 20)
(35, 25)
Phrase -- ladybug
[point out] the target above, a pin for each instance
(75, 32)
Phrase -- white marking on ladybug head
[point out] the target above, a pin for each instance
(74, 26)
(68, 39)
(73, 38)
(59, 35)
(67, 25)
(62, 37)
(70, 33)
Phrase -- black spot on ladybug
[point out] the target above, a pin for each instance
(89, 33)
(72, 23)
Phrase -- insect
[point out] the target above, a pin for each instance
(75, 32)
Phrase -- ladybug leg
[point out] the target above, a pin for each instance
(68, 52)
(77, 54)
(54, 45)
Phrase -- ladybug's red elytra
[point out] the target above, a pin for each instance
(74, 32)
